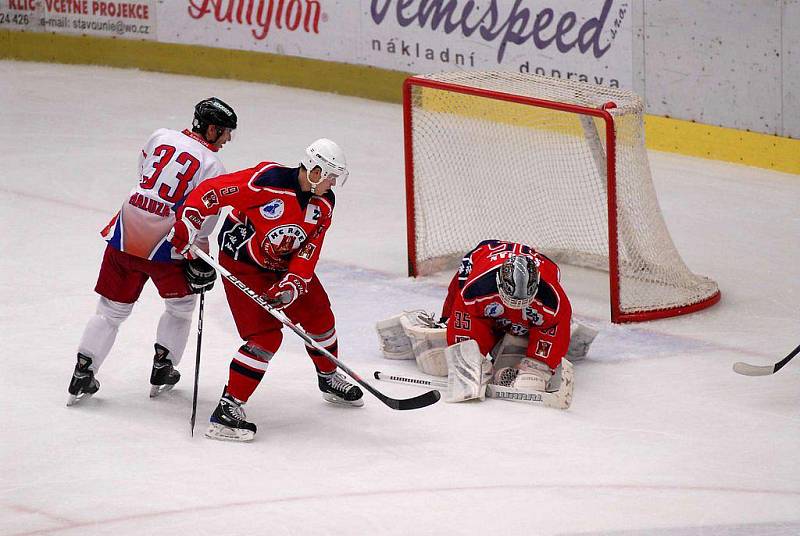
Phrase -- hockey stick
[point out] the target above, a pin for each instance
(425, 399)
(197, 361)
(551, 400)
(764, 370)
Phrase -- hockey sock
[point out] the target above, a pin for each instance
(246, 371)
(328, 341)
(174, 325)
(101, 330)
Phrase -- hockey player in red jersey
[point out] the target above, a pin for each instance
(509, 288)
(271, 241)
(171, 164)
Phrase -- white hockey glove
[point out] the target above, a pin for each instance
(468, 372)
(532, 375)
(526, 374)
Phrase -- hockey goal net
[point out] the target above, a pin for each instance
(556, 164)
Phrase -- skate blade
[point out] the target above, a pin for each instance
(74, 399)
(156, 390)
(224, 433)
(333, 399)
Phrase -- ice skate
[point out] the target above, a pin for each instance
(337, 390)
(163, 377)
(228, 421)
(83, 383)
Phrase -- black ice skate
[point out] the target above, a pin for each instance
(228, 421)
(337, 390)
(83, 384)
(163, 377)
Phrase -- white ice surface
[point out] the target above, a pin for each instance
(663, 438)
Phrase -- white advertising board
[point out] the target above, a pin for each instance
(134, 19)
(588, 40)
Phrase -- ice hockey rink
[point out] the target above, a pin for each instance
(663, 438)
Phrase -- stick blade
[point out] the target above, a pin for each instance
(425, 399)
(753, 370)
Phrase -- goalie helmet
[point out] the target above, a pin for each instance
(329, 157)
(517, 281)
(212, 111)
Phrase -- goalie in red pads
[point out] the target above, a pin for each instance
(507, 298)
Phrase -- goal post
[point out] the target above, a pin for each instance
(557, 164)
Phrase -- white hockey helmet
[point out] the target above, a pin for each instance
(517, 281)
(329, 157)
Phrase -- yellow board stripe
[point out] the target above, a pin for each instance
(720, 143)
(662, 134)
(318, 75)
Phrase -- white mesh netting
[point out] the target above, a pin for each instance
(489, 168)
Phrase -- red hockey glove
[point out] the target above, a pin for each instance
(283, 293)
(185, 230)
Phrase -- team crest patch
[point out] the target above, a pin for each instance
(272, 210)
(284, 239)
(493, 310)
(543, 348)
(307, 251)
(210, 199)
(533, 316)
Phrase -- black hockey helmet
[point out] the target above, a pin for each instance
(518, 281)
(212, 111)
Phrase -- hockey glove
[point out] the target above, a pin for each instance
(429, 320)
(199, 275)
(283, 293)
(185, 230)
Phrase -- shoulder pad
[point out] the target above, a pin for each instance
(483, 285)
(277, 177)
(547, 296)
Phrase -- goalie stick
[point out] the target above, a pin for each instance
(549, 400)
(420, 401)
(764, 370)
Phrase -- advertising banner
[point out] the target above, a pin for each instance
(586, 40)
(316, 29)
(134, 19)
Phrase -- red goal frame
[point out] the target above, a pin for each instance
(617, 315)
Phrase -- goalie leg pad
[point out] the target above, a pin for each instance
(394, 342)
(468, 372)
(427, 344)
(580, 339)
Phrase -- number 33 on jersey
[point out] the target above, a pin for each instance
(171, 165)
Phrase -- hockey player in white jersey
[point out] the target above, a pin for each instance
(172, 163)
